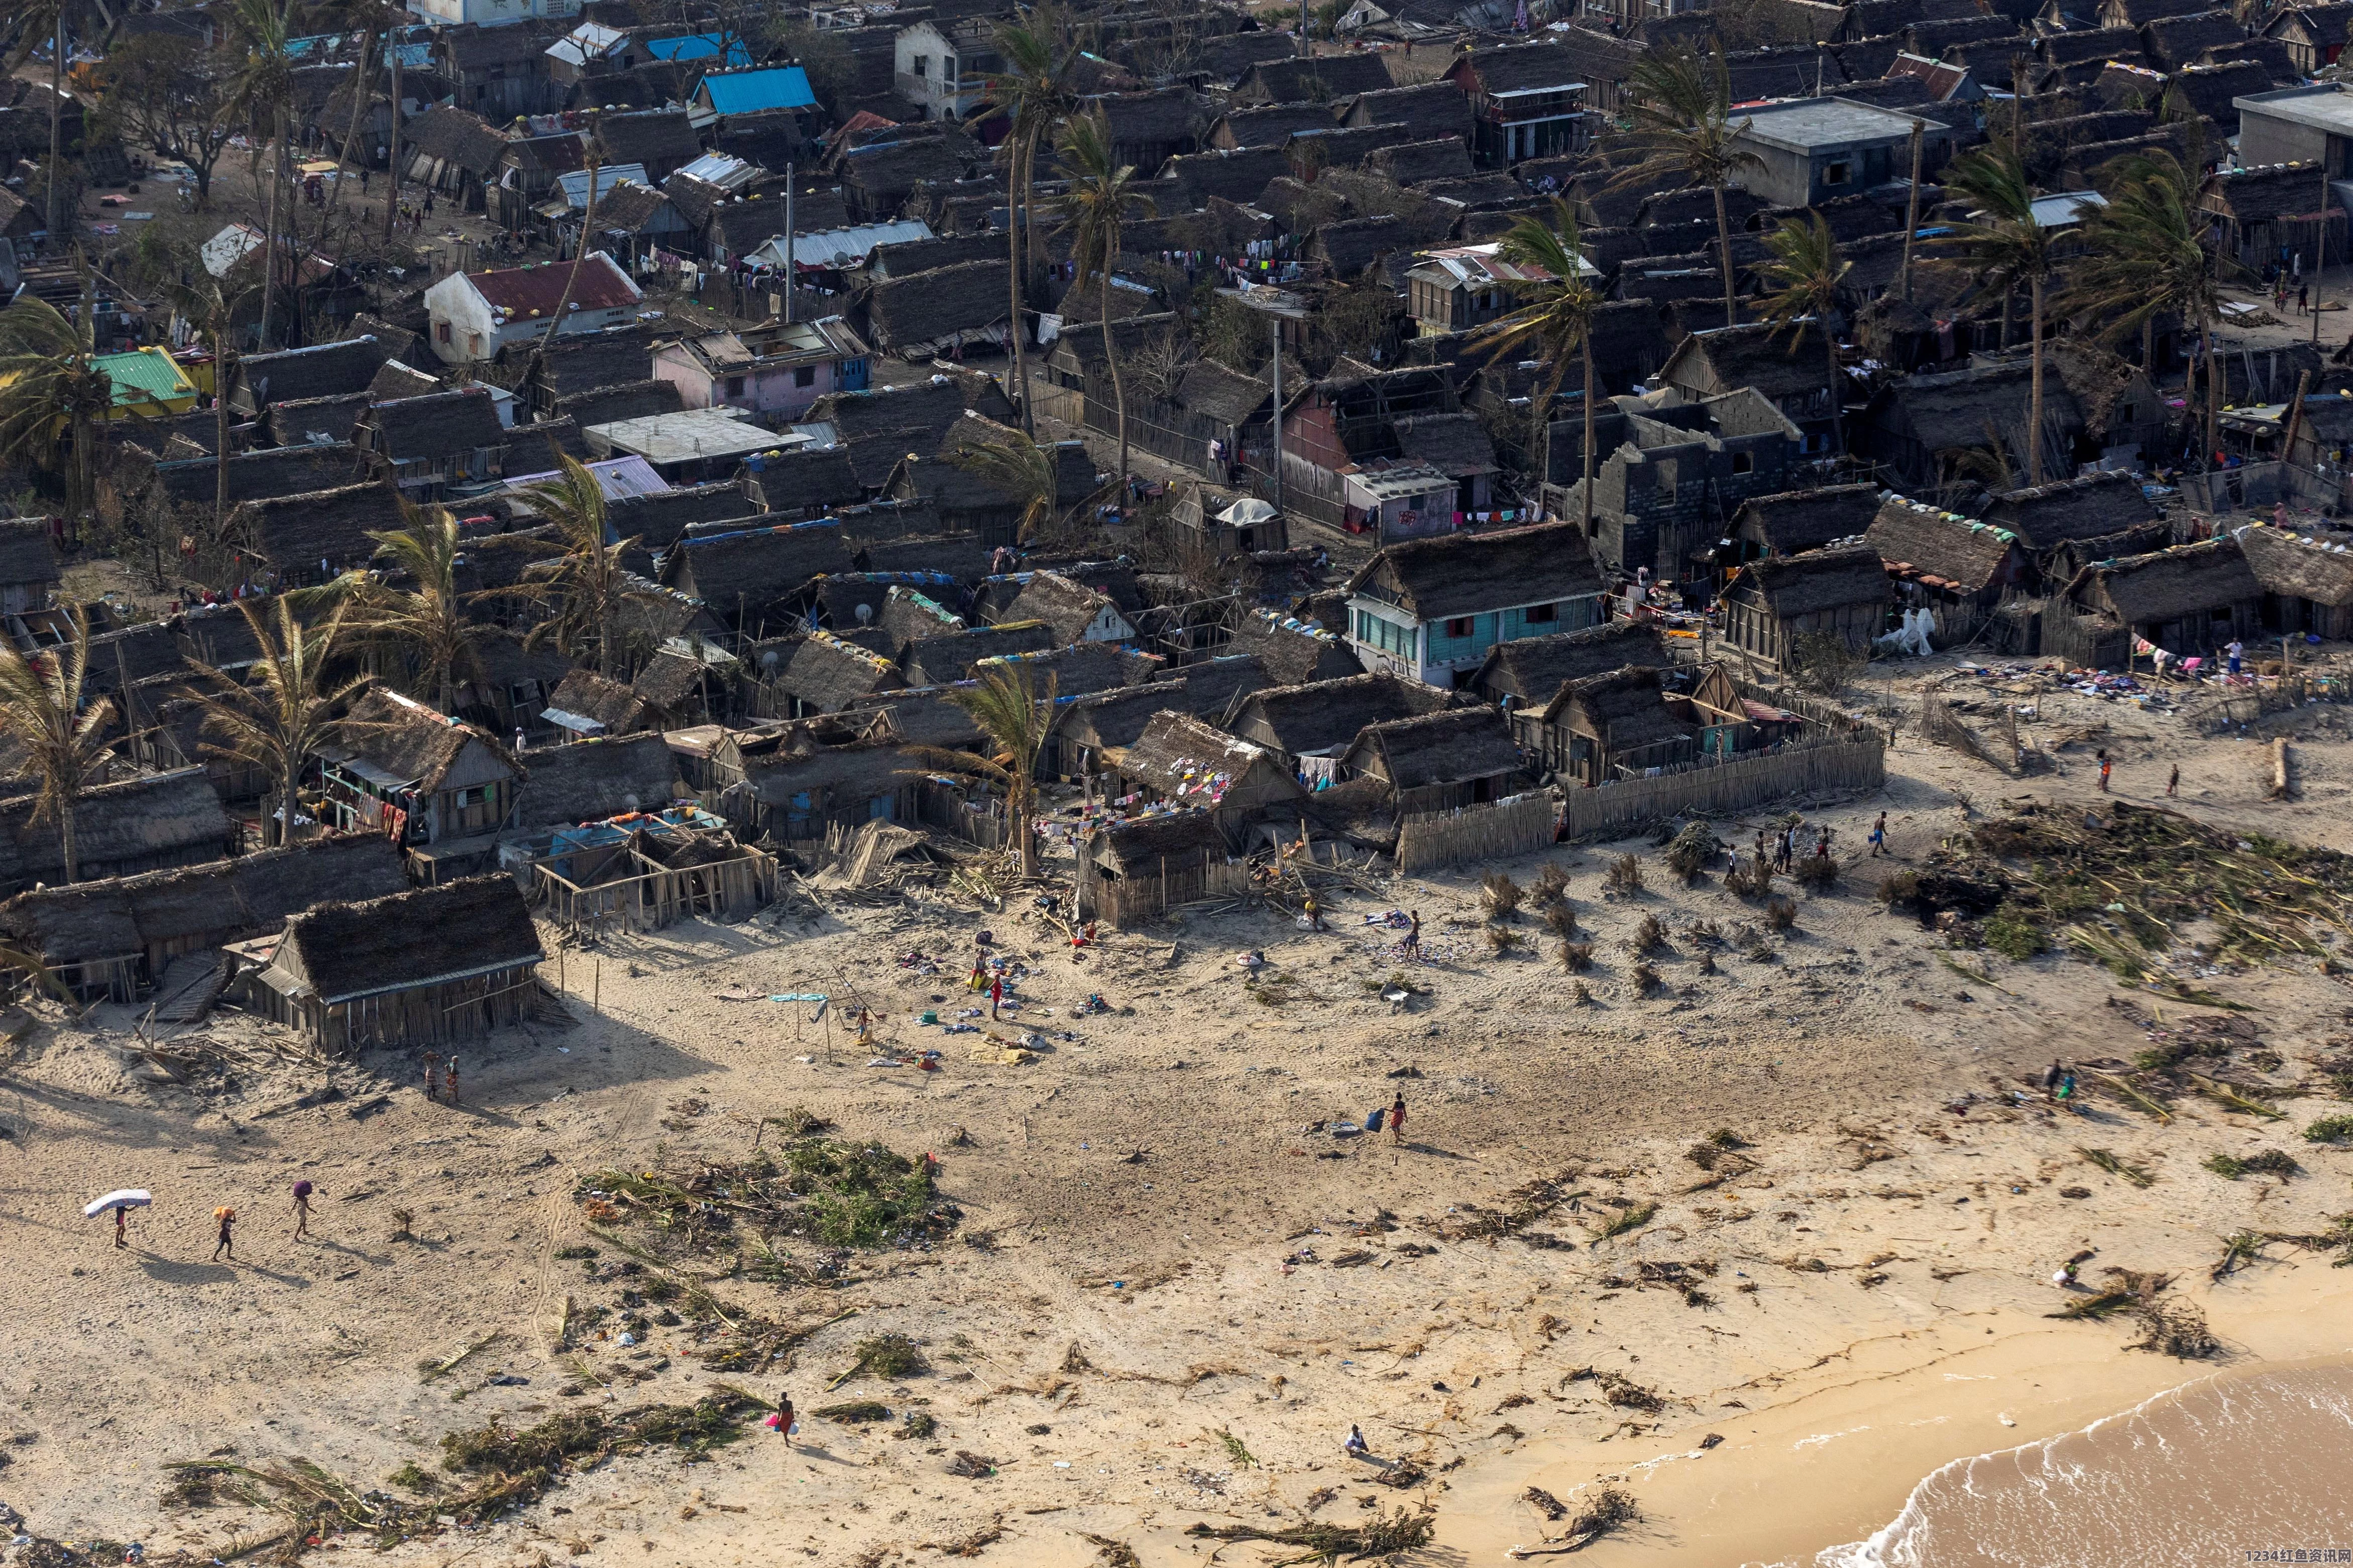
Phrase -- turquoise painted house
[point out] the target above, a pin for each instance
(1431, 608)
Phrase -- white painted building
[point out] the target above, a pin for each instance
(489, 13)
(475, 314)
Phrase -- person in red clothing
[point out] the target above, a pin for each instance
(995, 994)
(2106, 763)
(1397, 1119)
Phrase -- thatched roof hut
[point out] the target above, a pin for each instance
(1323, 718)
(603, 706)
(591, 780)
(1528, 671)
(1185, 759)
(119, 829)
(1438, 761)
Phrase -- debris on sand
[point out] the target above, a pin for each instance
(830, 1190)
(1399, 1531)
(2119, 890)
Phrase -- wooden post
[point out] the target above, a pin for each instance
(1912, 209)
(596, 999)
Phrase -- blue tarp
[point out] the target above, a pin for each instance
(698, 47)
(750, 91)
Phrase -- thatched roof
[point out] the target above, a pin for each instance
(589, 781)
(1213, 685)
(295, 532)
(1460, 573)
(431, 936)
(2186, 580)
(1451, 746)
(1082, 667)
(583, 362)
(27, 557)
(1761, 355)
(1968, 408)
(828, 674)
(174, 816)
(1139, 847)
(1807, 520)
(297, 469)
(1294, 654)
(1067, 607)
(401, 737)
(913, 313)
(755, 567)
(1818, 579)
(437, 425)
(588, 695)
(1456, 445)
(321, 370)
(2087, 508)
(321, 424)
(1237, 176)
(455, 138)
(2299, 566)
(1532, 669)
(204, 906)
(938, 660)
(1622, 708)
(1322, 715)
(1431, 107)
(622, 400)
(1184, 758)
(1942, 548)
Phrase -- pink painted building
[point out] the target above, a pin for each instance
(775, 370)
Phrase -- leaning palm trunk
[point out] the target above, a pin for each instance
(1013, 285)
(1588, 519)
(1723, 240)
(1118, 388)
(1838, 403)
(2034, 382)
(269, 246)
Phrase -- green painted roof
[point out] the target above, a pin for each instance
(144, 375)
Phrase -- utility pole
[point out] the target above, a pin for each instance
(1912, 209)
(792, 267)
(392, 194)
(2319, 258)
(1277, 330)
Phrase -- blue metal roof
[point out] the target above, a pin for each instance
(749, 93)
(698, 47)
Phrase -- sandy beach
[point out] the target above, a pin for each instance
(1173, 1286)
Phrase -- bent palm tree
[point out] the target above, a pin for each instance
(1033, 91)
(2002, 241)
(1099, 195)
(50, 385)
(1019, 467)
(1805, 274)
(1015, 722)
(1680, 106)
(428, 616)
(62, 739)
(585, 584)
(262, 95)
(283, 711)
(2146, 254)
(1557, 321)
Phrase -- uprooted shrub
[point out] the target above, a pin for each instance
(1816, 873)
(1624, 876)
(1690, 851)
(1500, 895)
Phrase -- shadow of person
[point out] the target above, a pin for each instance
(165, 1271)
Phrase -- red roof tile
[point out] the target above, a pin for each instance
(525, 289)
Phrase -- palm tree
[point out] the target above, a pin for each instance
(1032, 90)
(2002, 242)
(584, 581)
(1557, 321)
(60, 734)
(1097, 199)
(427, 617)
(283, 711)
(39, 22)
(262, 95)
(2148, 254)
(50, 385)
(1680, 106)
(210, 299)
(1020, 468)
(1806, 275)
(1015, 722)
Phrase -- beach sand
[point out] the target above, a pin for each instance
(1159, 1251)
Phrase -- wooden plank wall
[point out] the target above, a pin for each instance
(1521, 825)
(1615, 809)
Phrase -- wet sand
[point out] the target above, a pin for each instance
(1847, 1467)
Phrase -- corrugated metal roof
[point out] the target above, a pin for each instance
(575, 183)
(143, 375)
(618, 477)
(698, 47)
(841, 246)
(722, 170)
(589, 39)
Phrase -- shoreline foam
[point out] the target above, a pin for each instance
(1835, 1464)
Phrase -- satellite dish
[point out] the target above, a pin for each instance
(630, 801)
(865, 614)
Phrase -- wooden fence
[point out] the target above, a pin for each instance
(1128, 902)
(659, 894)
(1998, 749)
(1520, 825)
(1822, 767)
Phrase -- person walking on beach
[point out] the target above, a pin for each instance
(2173, 780)
(1822, 844)
(2051, 1081)
(227, 1218)
(785, 1419)
(449, 1080)
(2107, 765)
(302, 1191)
(431, 1059)
(1879, 836)
(1413, 935)
(121, 1224)
(995, 996)
(1397, 1119)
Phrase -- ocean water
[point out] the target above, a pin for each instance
(2256, 1463)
